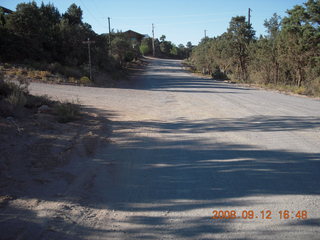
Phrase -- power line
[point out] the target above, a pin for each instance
(92, 15)
(176, 16)
(97, 9)
(177, 23)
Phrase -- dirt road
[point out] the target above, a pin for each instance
(181, 147)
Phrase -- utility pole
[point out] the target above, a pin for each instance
(249, 16)
(153, 50)
(205, 33)
(89, 53)
(109, 33)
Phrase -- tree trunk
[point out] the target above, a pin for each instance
(277, 73)
(299, 71)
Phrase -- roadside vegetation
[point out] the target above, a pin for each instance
(165, 49)
(286, 58)
(16, 102)
(41, 44)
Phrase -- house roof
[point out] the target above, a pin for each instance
(130, 32)
(6, 10)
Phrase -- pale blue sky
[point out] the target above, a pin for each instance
(180, 20)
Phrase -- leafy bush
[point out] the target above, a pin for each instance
(217, 74)
(14, 94)
(66, 111)
(71, 72)
(44, 74)
(55, 67)
(314, 87)
(72, 80)
(287, 56)
(85, 80)
(129, 56)
(144, 49)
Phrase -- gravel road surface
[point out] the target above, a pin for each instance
(182, 147)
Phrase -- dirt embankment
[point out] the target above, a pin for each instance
(33, 145)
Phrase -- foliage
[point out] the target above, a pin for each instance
(37, 101)
(288, 55)
(17, 98)
(120, 46)
(42, 36)
(85, 80)
(13, 96)
(66, 111)
(168, 49)
(144, 49)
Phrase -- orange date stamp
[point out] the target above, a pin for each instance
(264, 214)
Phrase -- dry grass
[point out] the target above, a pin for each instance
(286, 88)
(55, 73)
(15, 96)
(17, 99)
(66, 111)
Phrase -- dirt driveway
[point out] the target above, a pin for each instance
(182, 147)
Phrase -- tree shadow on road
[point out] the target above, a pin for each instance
(181, 81)
(157, 166)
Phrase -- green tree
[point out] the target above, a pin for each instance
(73, 15)
(273, 26)
(241, 34)
(300, 37)
(165, 47)
(313, 11)
(144, 49)
(163, 38)
(120, 47)
(265, 52)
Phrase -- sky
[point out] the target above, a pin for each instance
(179, 20)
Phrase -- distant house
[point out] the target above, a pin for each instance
(6, 10)
(134, 36)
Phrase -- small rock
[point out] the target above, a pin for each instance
(44, 109)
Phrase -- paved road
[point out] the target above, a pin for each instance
(183, 146)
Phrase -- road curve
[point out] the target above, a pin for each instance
(183, 146)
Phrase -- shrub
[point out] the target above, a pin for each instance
(31, 74)
(37, 101)
(71, 72)
(55, 68)
(21, 72)
(217, 74)
(14, 93)
(85, 80)
(314, 87)
(72, 80)
(299, 90)
(17, 98)
(43, 74)
(129, 56)
(144, 49)
(66, 111)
